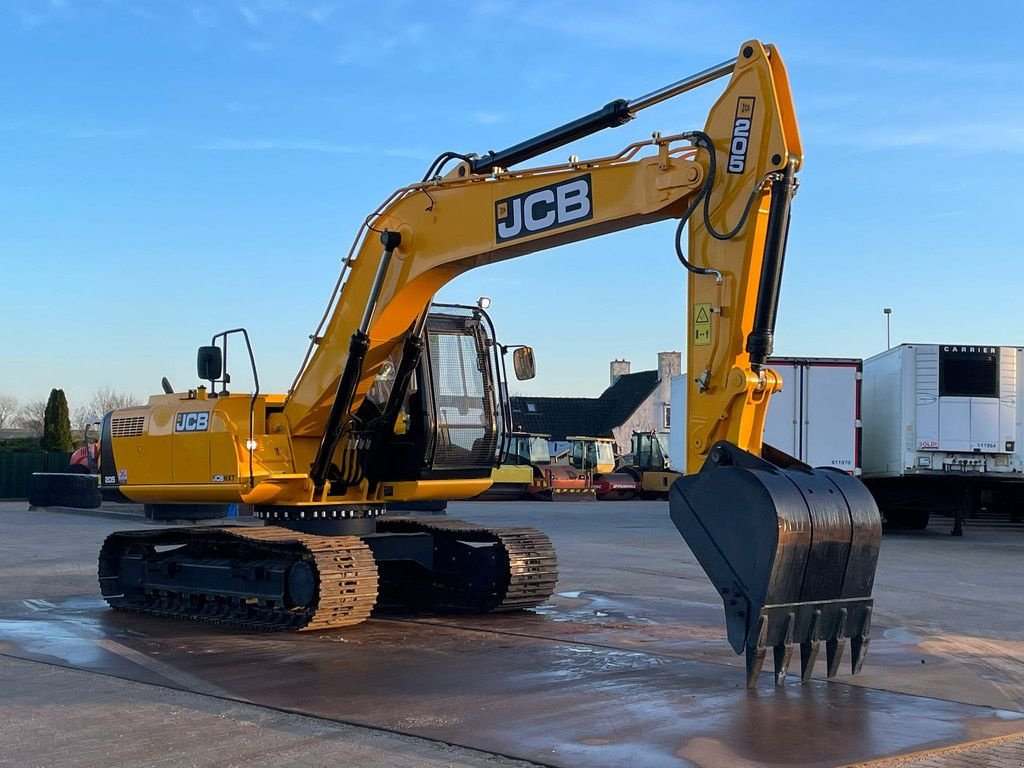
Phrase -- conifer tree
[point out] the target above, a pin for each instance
(57, 423)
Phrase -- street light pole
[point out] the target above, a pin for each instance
(888, 315)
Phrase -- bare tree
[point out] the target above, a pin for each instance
(82, 416)
(106, 399)
(31, 416)
(9, 405)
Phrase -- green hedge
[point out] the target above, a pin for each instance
(20, 444)
(16, 470)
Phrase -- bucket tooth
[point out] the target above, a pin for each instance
(783, 655)
(859, 644)
(834, 655)
(836, 645)
(809, 648)
(755, 660)
(808, 655)
(858, 650)
(755, 653)
(783, 651)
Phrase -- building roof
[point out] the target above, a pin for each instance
(590, 416)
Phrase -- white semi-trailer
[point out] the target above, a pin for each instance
(942, 430)
(815, 418)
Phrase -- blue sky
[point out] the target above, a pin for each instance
(172, 169)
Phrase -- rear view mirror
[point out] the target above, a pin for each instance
(208, 363)
(524, 364)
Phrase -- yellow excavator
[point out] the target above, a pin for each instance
(389, 407)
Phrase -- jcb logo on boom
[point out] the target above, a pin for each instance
(542, 209)
(741, 134)
(192, 421)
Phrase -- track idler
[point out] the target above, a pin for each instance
(792, 551)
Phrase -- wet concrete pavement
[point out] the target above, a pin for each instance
(56, 717)
(627, 665)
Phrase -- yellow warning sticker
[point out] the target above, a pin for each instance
(701, 325)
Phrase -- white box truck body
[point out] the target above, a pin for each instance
(942, 429)
(815, 418)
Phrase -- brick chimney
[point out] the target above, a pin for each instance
(618, 368)
(669, 364)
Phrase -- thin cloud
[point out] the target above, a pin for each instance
(241, 107)
(1005, 136)
(37, 14)
(943, 215)
(917, 65)
(203, 16)
(311, 145)
(368, 52)
(320, 14)
(947, 68)
(412, 154)
(93, 132)
(83, 130)
(272, 145)
(612, 26)
(487, 118)
(251, 17)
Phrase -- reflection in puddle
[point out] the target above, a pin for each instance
(73, 642)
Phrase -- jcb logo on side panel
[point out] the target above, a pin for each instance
(741, 134)
(192, 421)
(542, 209)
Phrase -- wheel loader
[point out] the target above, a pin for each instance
(388, 407)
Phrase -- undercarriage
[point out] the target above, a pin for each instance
(276, 578)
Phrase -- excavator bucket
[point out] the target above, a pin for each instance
(792, 551)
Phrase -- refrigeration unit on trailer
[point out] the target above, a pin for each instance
(942, 430)
(815, 418)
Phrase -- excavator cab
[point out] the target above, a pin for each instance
(453, 414)
(592, 454)
(528, 449)
(647, 452)
(648, 465)
(595, 457)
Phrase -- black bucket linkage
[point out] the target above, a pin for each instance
(792, 551)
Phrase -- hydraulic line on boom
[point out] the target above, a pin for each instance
(394, 403)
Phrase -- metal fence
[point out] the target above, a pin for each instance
(17, 468)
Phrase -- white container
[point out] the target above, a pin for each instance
(934, 409)
(815, 418)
